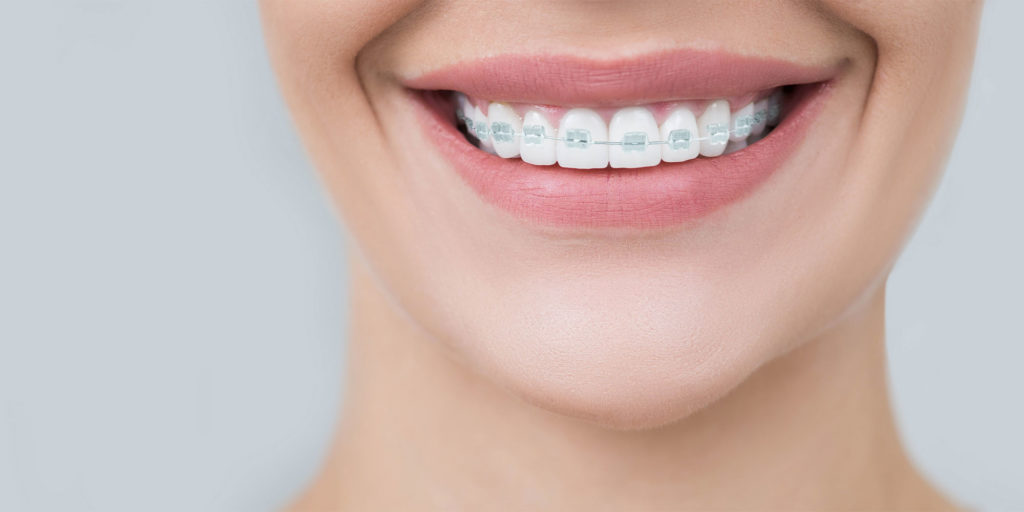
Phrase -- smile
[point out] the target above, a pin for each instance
(641, 142)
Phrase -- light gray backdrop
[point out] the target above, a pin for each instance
(172, 278)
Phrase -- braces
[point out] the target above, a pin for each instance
(631, 141)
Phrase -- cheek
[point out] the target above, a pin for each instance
(315, 46)
(924, 52)
(342, 28)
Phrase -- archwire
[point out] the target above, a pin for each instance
(717, 133)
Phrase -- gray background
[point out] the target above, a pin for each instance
(172, 278)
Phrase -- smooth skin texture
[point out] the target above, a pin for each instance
(736, 361)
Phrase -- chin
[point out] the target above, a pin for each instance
(626, 353)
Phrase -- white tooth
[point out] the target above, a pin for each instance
(760, 117)
(578, 130)
(482, 130)
(741, 123)
(463, 103)
(680, 134)
(463, 110)
(505, 129)
(735, 146)
(534, 147)
(714, 128)
(635, 127)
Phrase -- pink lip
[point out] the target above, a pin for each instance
(662, 76)
(650, 197)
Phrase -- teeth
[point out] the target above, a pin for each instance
(505, 127)
(760, 118)
(482, 130)
(577, 131)
(534, 146)
(631, 139)
(464, 113)
(635, 127)
(680, 134)
(714, 128)
(465, 107)
(741, 124)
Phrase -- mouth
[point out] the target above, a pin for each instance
(644, 142)
(623, 138)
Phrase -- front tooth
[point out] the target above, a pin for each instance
(635, 127)
(760, 117)
(680, 134)
(577, 131)
(741, 123)
(534, 145)
(482, 130)
(505, 126)
(714, 128)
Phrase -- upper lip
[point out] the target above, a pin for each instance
(569, 80)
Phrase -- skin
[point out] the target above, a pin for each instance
(736, 361)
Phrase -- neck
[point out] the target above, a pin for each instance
(811, 430)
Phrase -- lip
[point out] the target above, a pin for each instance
(651, 197)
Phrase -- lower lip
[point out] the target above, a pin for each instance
(645, 198)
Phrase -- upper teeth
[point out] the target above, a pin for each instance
(583, 140)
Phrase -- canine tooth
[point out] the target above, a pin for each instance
(481, 128)
(679, 131)
(714, 128)
(760, 117)
(505, 128)
(534, 146)
(741, 123)
(635, 127)
(577, 131)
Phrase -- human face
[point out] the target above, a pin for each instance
(634, 294)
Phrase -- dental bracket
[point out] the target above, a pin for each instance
(718, 133)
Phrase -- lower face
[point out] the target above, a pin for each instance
(620, 213)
